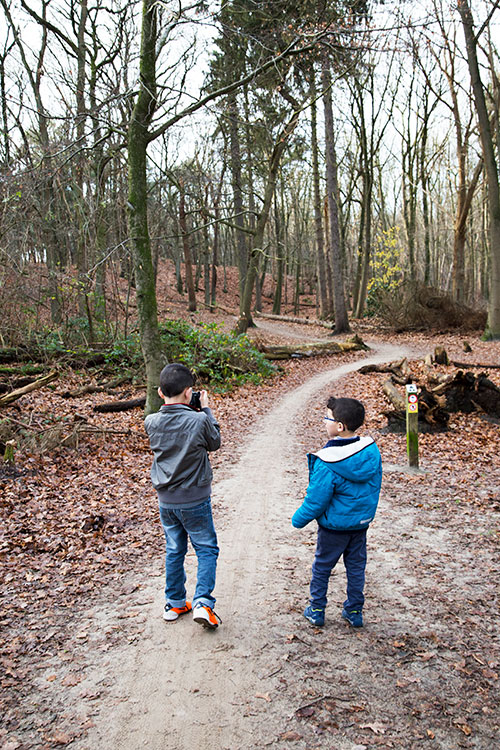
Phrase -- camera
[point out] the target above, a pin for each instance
(195, 402)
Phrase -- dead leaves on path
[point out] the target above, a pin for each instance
(76, 520)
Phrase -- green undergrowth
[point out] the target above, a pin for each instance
(222, 360)
(219, 360)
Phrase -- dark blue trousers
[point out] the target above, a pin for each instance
(330, 546)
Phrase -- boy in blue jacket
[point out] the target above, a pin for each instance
(344, 487)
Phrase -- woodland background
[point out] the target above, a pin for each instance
(345, 153)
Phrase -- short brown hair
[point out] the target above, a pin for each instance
(174, 378)
(349, 411)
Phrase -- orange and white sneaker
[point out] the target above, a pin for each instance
(172, 613)
(204, 615)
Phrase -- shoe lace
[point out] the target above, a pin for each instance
(213, 612)
(215, 615)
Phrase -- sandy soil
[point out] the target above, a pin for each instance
(181, 682)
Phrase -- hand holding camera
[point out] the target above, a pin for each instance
(199, 400)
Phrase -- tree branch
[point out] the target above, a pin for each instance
(290, 50)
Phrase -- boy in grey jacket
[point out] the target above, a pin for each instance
(181, 436)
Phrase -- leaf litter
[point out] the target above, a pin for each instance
(76, 519)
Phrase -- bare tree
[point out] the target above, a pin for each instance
(340, 307)
(490, 158)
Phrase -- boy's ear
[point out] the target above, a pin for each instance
(160, 393)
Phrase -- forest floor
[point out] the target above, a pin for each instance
(88, 661)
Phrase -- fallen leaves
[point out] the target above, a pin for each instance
(71, 679)
(11, 744)
(61, 738)
(74, 522)
(375, 726)
(305, 713)
(264, 696)
(426, 655)
(463, 726)
(290, 736)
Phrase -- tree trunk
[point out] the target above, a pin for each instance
(258, 239)
(490, 166)
(236, 181)
(137, 207)
(341, 318)
(325, 309)
(187, 250)
(81, 243)
(365, 231)
(279, 260)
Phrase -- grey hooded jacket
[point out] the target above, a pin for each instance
(180, 440)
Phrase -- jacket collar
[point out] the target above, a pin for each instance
(334, 453)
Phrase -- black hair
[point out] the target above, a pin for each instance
(174, 378)
(349, 411)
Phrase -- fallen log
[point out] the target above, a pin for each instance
(399, 370)
(113, 406)
(432, 414)
(15, 354)
(294, 319)
(459, 392)
(469, 366)
(393, 395)
(217, 306)
(106, 387)
(8, 398)
(313, 349)
(7, 387)
(21, 370)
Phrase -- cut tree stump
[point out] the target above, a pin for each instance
(441, 356)
(10, 450)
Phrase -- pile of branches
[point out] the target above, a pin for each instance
(439, 395)
(414, 306)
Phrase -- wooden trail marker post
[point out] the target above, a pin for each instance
(412, 424)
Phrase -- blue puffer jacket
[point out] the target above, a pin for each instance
(344, 486)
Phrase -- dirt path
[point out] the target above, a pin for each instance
(176, 684)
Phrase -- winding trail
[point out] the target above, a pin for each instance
(178, 680)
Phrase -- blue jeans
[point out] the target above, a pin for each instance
(197, 524)
(330, 546)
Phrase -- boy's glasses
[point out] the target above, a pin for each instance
(329, 419)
